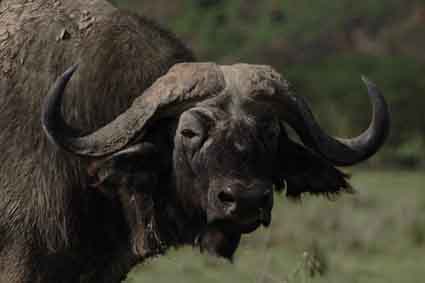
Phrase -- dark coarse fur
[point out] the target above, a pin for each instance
(53, 227)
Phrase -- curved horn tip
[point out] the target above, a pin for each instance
(374, 91)
(369, 84)
(49, 106)
(70, 71)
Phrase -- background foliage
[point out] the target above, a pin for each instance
(322, 47)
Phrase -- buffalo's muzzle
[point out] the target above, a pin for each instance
(246, 205)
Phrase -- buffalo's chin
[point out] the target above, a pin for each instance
(219, 241)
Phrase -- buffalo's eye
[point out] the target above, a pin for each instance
(188, 133)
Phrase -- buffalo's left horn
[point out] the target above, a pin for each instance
(343, 152)
(264, 85)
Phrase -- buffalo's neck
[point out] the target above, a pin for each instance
(175, 227)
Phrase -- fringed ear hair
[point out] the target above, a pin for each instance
(306, 172)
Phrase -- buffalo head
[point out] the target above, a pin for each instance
(225, 143)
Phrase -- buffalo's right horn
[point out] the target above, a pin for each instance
(183, 86)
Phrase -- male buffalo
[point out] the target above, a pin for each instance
(142, 152)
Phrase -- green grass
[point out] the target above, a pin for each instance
(377, 235)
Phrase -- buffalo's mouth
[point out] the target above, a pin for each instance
(244, 225)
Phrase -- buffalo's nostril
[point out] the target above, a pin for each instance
(226, 197)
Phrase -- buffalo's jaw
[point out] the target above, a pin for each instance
(221, 238)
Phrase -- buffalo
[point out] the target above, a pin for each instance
(139, 148)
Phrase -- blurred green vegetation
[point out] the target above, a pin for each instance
(375, 236)
(322, 47)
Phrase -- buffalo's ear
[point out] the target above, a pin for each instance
(133, 168)
(304, 171)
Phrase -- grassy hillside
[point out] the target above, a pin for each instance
(377, 235)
